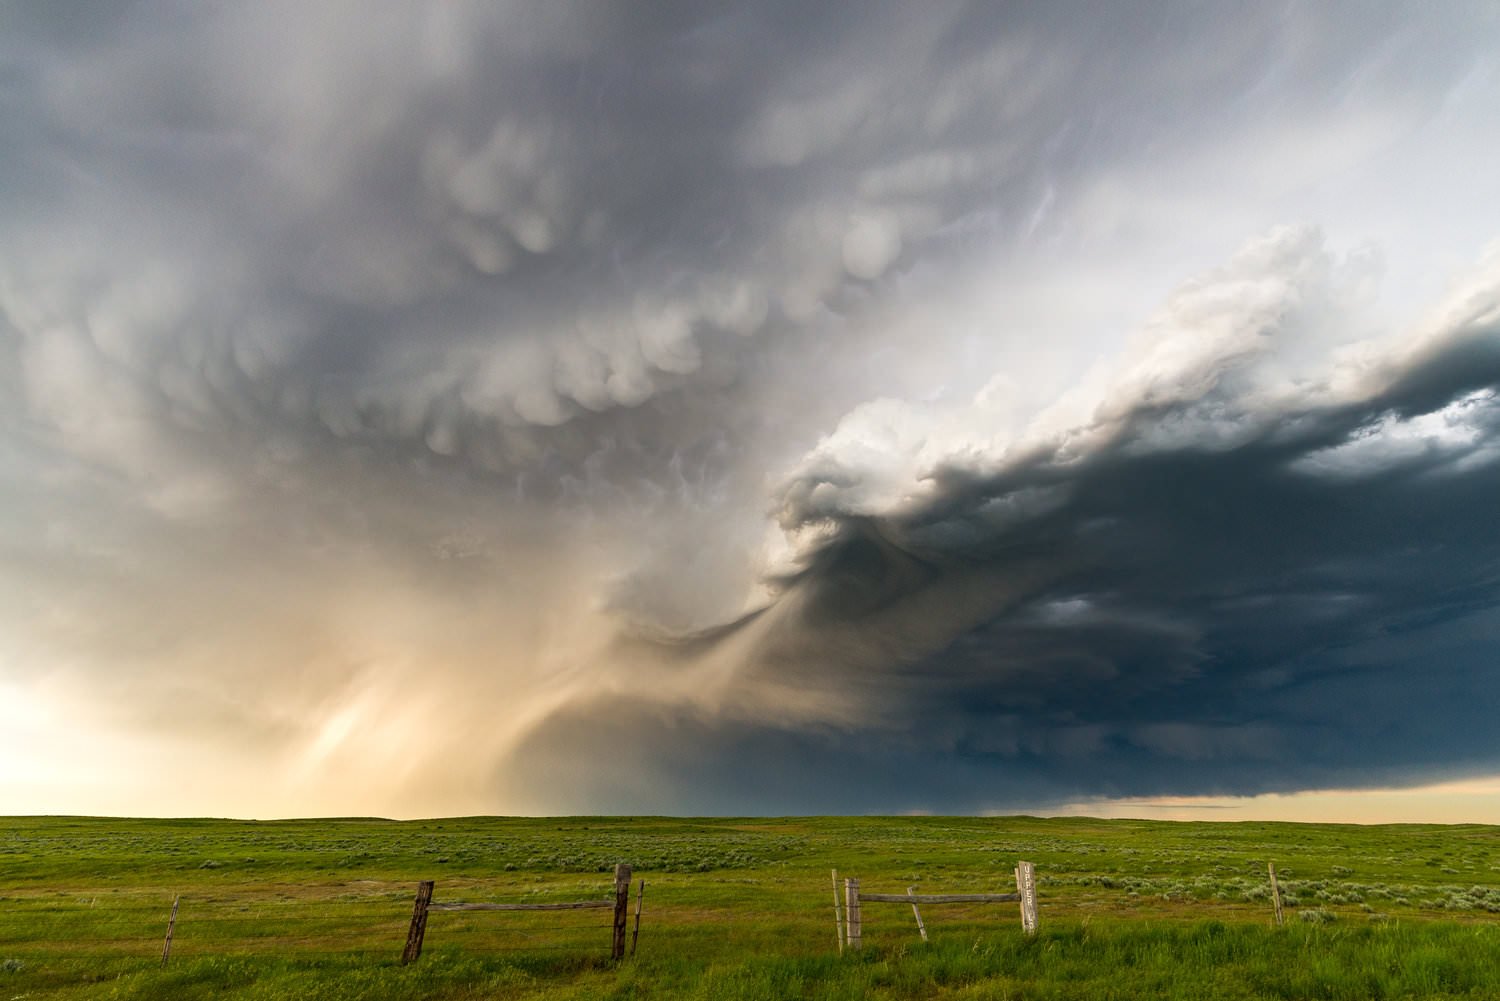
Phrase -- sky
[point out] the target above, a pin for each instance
(421, 409)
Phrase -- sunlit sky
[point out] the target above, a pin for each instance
(551, 407)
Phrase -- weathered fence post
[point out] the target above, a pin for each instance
(166, 949)
(910, 892)
(1026, 887)
(851, 911)
(622, 910)
(838, 917)
(418, 923)
(635, 936)
(1275, 893)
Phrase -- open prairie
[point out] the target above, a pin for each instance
(743, 908)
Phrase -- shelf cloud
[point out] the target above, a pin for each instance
(1224, 569)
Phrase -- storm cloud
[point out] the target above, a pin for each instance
(519, 406)
(1239, 574)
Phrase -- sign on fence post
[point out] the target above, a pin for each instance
(1026, 887)
(418, 923)
(851, 911)
(622, 910)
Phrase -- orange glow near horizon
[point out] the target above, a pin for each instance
(1474, 800)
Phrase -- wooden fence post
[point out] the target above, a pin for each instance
(418, 923)
(635, 936)
(1275, 893)
(910, 891)
(166, 949)
(851, 911)
(622, 910)
(838, 917)
(1026, 887)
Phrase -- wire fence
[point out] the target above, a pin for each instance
(125, 927)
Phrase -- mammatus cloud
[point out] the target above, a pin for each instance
(398, 406)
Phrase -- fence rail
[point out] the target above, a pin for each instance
(571, 906)
(941, 898)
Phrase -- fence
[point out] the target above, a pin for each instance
(849, 924)
(363, 926)
(620, 902)
(212, 923)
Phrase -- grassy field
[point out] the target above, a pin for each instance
(744, 909)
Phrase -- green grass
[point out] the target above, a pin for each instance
(744, 909)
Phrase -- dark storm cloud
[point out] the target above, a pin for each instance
(474, 341)
(1240, 575)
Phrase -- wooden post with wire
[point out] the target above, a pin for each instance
(1275, 893)
(635, 936)
(838, 915)
(166, 949)
(622, 910)
(851, 912)
(418, 927)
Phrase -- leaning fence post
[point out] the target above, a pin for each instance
(851, 911)
(911, 892)
(622, 910)
(635, 936)
(1275, 893)
(838, 917)
(418, 923)
(1026, 888)
(166, 949)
